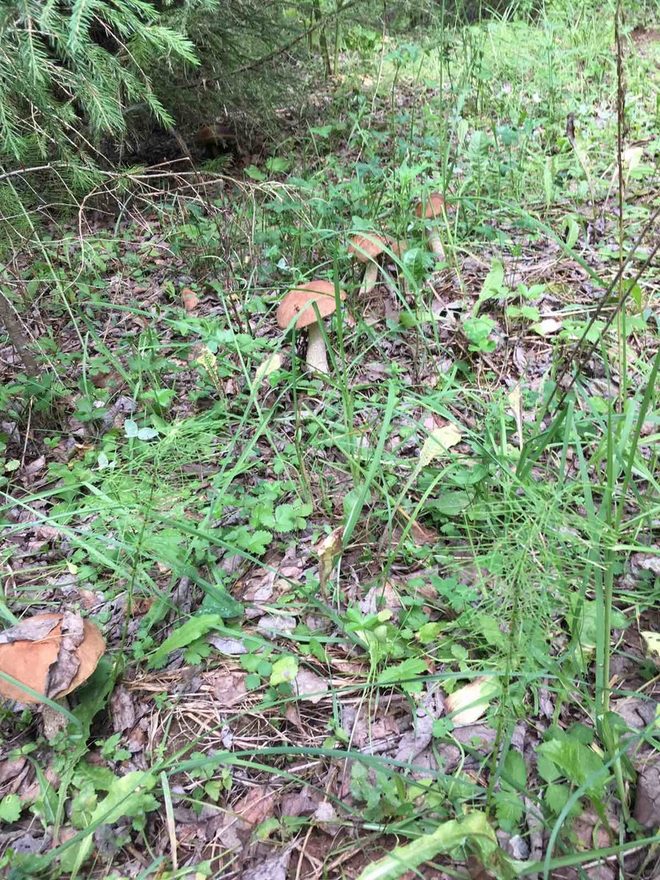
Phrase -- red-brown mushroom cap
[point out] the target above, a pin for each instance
(368, 246)
(431, 207)
(299, 302)
(51, 653)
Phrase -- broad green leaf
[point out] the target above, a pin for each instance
(10, 808)
(576, 762)
(284, 671)
(184, 635)
(514, 769)
(402, 672)
(471, 829)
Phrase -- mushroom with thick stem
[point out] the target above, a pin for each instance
(367, 248)
(52, 654)
(310, 302)
(431, 208)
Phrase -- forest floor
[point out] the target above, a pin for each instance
(413, 603)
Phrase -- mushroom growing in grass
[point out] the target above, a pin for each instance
(367, 248)
(309, 303)
(52, 654)
(431, 208)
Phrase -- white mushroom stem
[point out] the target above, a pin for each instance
(435, 244)
(370, 277)
(317, 358)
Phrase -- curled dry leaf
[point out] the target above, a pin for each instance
(309, 686)
(437, 443)
(189, 299)
(327, 548)
(50, 653)
(270, 365)
(547, 326)
(469, 703)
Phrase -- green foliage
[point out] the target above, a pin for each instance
(79, 59)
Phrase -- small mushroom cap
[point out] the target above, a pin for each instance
(432, 207)
(368, 246)
(44, 653)
(299, 302)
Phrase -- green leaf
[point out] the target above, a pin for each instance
(284, 671)
(472, 829)
(252, 541)
(184, 635)
(291, 517)
(402, 672)
(514, 770)
(254, 173)
(128, 796)
(556, 797)
(509, 808)
(576, 762)
(477, 331)
(10, 808)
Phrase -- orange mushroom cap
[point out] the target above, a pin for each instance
(51, 653)
(368, 246)
(299, 302)
(431, 207)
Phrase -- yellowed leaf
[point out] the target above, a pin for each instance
(652, 645)
(327, 548)
(437, 443)
(469, 703)
(270, 365)
(515, 402)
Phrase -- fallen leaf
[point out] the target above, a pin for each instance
(256, 806)
(227, 645)
(652, 645)
(309, 686)
(272, 868)
(327, 549)
(270, 365)
(469, 703)
(437, 443)
(647, 800)
(515, 403)
(122, 709)
(189, 299)
(228, 688)
(274, 625)
(547, 326)
(416, 740)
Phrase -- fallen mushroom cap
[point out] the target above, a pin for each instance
(51, 653)
(298, 302)
(431, 207)
(368, 246)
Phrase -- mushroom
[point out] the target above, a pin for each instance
(367, 248)
(303, 302)
(51, 653)
(432, 208)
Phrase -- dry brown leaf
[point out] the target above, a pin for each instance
(189, 299)
(309, 686)
(439, 441)
(122, 709)
(228, 688)
(469, 703)
(327, 549)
